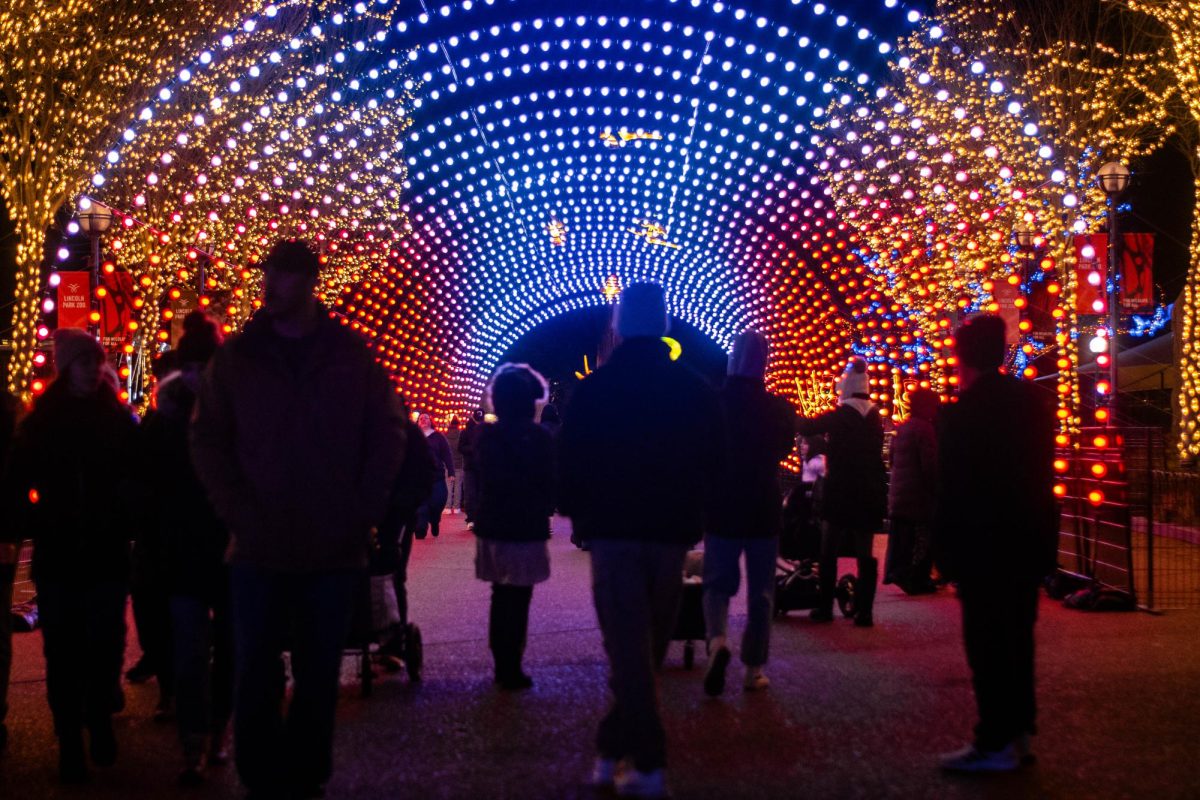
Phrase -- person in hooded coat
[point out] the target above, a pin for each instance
(911, 494)
(194, 541)
(69, 470)
(854, 499)
(759, 433)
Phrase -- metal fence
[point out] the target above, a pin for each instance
(1130, 524)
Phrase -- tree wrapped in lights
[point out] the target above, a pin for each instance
(72, 72)
(290, 125)
(937, 169)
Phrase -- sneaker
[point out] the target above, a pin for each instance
(604, 773)
(821, 615)
(635, 783)
(714, 678)
(515, 683)
(972, 759)
(755, 681)
(864, 621)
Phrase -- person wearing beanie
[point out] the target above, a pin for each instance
(854, 500)
(911, 497)
(516, 500)
(759, 434)
(640, 452)
(184, 565)
(297, 437)
(468, 448)
(429, 516)
(68, 474)
(996, 535)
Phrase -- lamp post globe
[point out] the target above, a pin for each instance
(1113, 177)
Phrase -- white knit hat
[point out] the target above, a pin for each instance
(854, 381)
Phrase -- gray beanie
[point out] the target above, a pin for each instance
(642, 311)
(749, 356)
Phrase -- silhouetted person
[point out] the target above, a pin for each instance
(640, 449)
(70, 463)
(297, 436)
(453, 438)
(911, 494)
(748, 518)
(516, 499)
(10, 549)
(468, 446)
(193, 541)
(429, 515)
(854, 498)
(996, 535)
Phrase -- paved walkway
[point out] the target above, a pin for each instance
(851, 713)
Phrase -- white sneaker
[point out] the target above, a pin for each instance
(755, 681)
(635, 783)
(972, 759)
(604, 773)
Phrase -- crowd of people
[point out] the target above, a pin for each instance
(276, 469)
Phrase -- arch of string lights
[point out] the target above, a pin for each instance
(470, 171)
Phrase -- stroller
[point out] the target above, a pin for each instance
(690, 626)
(797, 584)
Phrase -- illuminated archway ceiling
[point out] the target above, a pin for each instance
(472, 170)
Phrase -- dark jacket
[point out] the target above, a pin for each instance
(468, 445)
(914, 472)
(855, 493)
(640, 449)
(760, 431)
(298, 443)
(454, 439)
(516, 482)
(79, 455)
(996, 514)
(440, 447)
(189, 534)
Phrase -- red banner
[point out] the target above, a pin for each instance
(1137, 273)
(116, 310)
(74, 301)
(1091, 265)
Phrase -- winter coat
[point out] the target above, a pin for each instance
(468, 445)
(914, 472)
(190, 536)
(855, 491)
(76, 456)
(440, 447)
(759, 433)
(298, 442)
(454, 439)
(641, 449)
(996, 515)
(516, 482)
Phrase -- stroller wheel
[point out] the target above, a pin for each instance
(414, 652)
(845, 595)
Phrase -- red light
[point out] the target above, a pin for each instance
(1099, 470)
(34, 497)
(1096, 497)
(1102, 414)
(1060, 490)
(1060, 465)
(1100, 441)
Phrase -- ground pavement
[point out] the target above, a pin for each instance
(850, 713)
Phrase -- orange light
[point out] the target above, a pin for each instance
(1095, 497)
(1060, 465)
(1061, 440)
(1100, 441)
(1102, 414)
(1060, 490)
(1099, 470)
(94, 316)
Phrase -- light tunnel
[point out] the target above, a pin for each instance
(469, 171)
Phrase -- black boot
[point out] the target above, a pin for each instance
(103, 742)
(72, 768)
(864, 590)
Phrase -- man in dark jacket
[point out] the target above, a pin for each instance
(640, 449)
(297, 437)
(760, 432)
(996, 534)
(429, 516)
(468, 447)
(855, 496)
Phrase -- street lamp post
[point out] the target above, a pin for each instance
(1114, 180)
(94, 220)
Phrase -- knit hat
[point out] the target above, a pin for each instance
(515, 391)
(200, 339)
(72, 344)
(854, 381)
(749, 356)
(642, 311)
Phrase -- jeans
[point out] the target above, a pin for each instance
(998, 619)
(454, 502)
(862, 541)
(312, 611)
(203, 637)
(429, 515)
(637, 587)
(909, 559)
(722, 574)
(83, 639)
(508, 628)
(8, 573)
